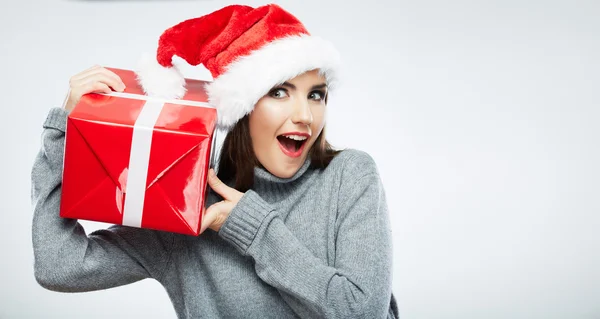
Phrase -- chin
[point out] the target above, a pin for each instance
(287, 173)
(283, 166)
(286, 170)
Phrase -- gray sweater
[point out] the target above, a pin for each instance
(316, 245)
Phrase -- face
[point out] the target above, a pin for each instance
(286, 122)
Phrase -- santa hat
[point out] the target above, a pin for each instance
(247, 50)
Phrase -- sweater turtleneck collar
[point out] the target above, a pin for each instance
(263, 176)
(277, 187)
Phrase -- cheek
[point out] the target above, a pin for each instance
(264, 121)
(272, 112)
(318, 113)
(258, 130)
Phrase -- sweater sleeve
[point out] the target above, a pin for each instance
(65, 258)
(357, 286)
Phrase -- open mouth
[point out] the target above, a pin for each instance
(292, 145)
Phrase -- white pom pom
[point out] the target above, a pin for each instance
(159, 81)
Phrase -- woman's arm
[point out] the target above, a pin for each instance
(358, 285)
(66, 259)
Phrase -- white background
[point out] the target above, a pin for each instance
(482, 116)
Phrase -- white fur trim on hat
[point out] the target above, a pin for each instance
(235, 92)
(159, 81)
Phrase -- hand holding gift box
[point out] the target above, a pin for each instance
(136, 160)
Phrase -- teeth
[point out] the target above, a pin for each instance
(296, 137)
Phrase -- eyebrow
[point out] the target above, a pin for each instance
(288, 84)
(293, 87)
(319, 86)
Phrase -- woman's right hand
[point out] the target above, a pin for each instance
(94, 79)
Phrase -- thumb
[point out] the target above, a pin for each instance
(218, 186)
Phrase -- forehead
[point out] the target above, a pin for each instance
(309, 77)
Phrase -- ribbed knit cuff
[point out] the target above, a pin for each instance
(57, 119)
(244, 221)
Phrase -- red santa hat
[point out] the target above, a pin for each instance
(247, 50)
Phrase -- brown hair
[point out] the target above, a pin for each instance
(237, 159)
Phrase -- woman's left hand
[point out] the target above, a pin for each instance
(216, 214)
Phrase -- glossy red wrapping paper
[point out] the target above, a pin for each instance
(97, 155)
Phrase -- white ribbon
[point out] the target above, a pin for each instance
(139, 156)
(157, 99)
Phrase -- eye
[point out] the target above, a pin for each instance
(317, 95)
(278, 93)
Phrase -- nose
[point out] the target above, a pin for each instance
(302, 113)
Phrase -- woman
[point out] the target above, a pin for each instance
(292, 229)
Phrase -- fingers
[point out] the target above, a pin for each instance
(114, 76)
(96, 69)
(94, 79)
(86, 72)
(89, 82)
(100, 87)
(219, 187)
(95, 74)
(215, 216)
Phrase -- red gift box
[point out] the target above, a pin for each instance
(139, 161)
